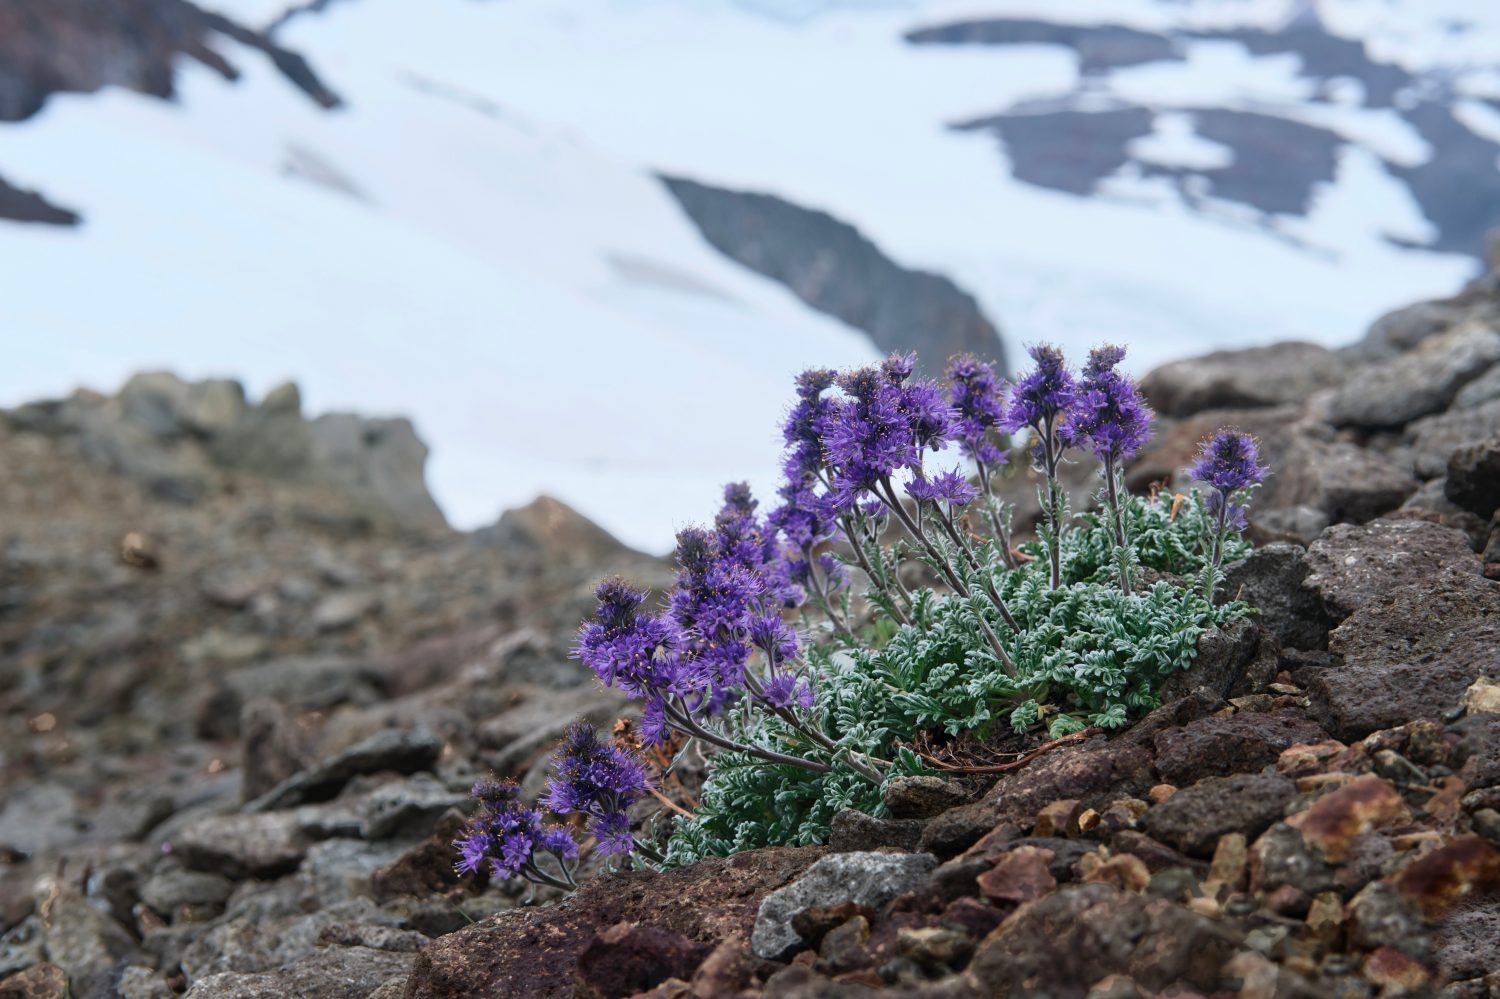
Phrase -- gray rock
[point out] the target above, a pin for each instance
(1410, 653)
(1424, 381)
(313, 683)
(376, 461)
(407, 807)
(1300, 523)
(922, 797)
(242, 846)
(1351, 565)
(853, 830)
(1242, 379)
(1474, 477)
(550, 528)
(868, 879)
(1340, 480)
(85, 943)
(171, 886)
(393, 750)
(1402, 329)
(1194, 818)
(1485, 388)
(1434, 439)
(1272, 580)
(39, 816)
(342, 610)
(273, 747)
(138, 981)
(332, 973)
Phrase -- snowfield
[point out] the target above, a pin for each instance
(476, 240)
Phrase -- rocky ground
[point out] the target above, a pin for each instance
(248, 676)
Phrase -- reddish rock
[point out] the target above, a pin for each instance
(1438, 880)
(1339, 818)
(1194, 818)
(1351, 565)
(1239, 743)
(1102, 931)
(534, 952)
(1019, 876)
(628, 958)
(40, 981)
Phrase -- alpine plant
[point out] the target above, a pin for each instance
(882, 597)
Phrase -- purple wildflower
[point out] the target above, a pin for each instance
(1044, 393)
(805, 424)
(638, 654)
(975, 392)
(508, 835)
(612, 834)
(784, 689)
(1229, 461)
(770, 634)
(951, 487)
(1107, 411)
(599, 780)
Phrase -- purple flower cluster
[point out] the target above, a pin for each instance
(1228, 462)
(733, 581)
(508, 838)
(951, 487)
(1042, 395)
(599, 780)
(978, 400)
(1107, 411)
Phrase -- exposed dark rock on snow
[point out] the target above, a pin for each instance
(834, 268)
(29, 206)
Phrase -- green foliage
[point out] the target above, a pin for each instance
(1086, 654)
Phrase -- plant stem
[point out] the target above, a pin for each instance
(685, 722)
(1052, 508)
(1117, 514)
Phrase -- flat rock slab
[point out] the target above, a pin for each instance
(534, 953)
(1410, 653)
(1240, 743)
(1194, 818)
(1350, 565)
(395, 750)
(867, 879)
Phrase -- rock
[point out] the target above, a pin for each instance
(1485, 388)
(1474, 477)
(344, 609)
(1242, 379)
(551, 529)
(394, 750)
(140, 982)
(1336, 821)
(867, 879)
(1351, 565)
(1402, 329)
(1419, 383)
(1410, 653)
(1463, 868)
(312, 683)
(935, 948)
(171, 887)
(379, 462)
(1339, 480)
(407, 807)
(922, 797)
(1483, 697)
(1092, 773)
(1272, 580)
(1103, 931)
(84, 942)
(273, 747)
(40, 981)
(1195, 817)
(1020, 875)
(1466, 943)
(1433, 440)
(1224, 656)
(714, 899)
(628, 958)
(242, 846)
(853, 830)
(1378, 916)
(1222, 745)
(331, 973)
(39, 816)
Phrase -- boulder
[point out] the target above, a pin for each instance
(1394, 392)
(866, 879)
(1350, 565)
(1242, 379)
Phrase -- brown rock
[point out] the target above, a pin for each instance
(1058, 819)
(1388, 968)
(1339, 818)
(1103, 931)
(628, 958)
(1238, 743)
(40, 981)
(1351, 565)
(1195, 817)
(533, 952)
(1125, 871)
(1019, 876)
(1438, 880)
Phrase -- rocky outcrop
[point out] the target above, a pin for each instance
(837, 270)
(176, 437)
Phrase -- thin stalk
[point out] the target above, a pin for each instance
(856, 541)
(1117, 514)
(998, 522)
(691, 727)
(989, 586)
(946, 568)
(1052, 508)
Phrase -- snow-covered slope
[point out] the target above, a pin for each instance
(477, 238)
